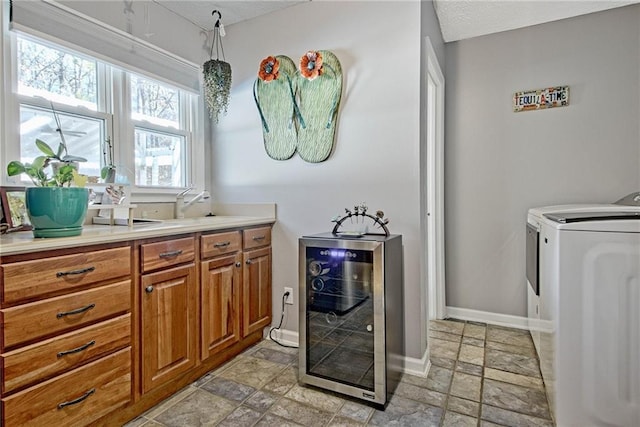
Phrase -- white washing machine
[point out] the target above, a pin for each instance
(585, 318)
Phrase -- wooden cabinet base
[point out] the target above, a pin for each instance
(148, 400)
(74, 398)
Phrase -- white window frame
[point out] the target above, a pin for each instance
(113, 96)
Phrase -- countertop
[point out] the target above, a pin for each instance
(24, 242)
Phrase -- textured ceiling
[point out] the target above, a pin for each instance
(463, 19)
(459, 19)
(233, 11)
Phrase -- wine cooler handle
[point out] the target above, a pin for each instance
(331, 317)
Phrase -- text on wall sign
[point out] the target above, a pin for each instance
(538, 99)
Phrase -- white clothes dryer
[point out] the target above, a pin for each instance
(589, 312)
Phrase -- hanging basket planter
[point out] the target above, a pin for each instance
(217, 75)
(217, 87)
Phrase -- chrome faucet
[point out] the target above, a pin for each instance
(181, 206)
(179, 211)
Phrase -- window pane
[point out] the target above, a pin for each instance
(154, 102)
(159, 159)
(56, 75)
(83, 136)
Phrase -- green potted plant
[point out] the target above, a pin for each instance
(62, 171)
(55, 208)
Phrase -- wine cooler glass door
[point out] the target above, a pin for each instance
(340, 315)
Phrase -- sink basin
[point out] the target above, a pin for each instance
(141, 221)
(204, 220)
(124, 221)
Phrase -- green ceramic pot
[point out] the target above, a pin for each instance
(57, 211)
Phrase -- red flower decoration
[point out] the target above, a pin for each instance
(311, 65)
(269, 68)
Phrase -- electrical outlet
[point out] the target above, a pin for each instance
(289, 299)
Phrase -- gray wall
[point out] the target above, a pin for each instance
(499, 163)
(375, 157)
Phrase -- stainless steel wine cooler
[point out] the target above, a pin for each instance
(351, 314)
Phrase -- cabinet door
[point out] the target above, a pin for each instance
(168, 325)
(256, 294)
(220, 290)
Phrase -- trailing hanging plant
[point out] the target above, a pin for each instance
(217, 85)
(217, 75)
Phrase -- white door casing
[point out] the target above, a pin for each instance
(433, 187)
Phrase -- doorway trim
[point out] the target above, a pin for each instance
(432, 185)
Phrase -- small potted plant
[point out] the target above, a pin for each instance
(56, 209)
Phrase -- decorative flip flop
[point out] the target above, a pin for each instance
(319, 86)
(274, 94)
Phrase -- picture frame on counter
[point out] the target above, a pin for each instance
(14, 208)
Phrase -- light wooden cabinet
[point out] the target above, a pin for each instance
(256, 287)
(213, 245)
(97, 335)
(65, 348)
(169, 312)
(44, 359)
(75, 398)
(256, 237)
(27, 322)
(167, 253)
(49, 276)
(220, 288)
(220, 291)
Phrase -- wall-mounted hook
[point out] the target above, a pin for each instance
(219, 17)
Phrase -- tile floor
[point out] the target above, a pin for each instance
(481, 375)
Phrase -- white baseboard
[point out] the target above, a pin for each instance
(418, 367)
(412, 366)
(284, 336)
(507, 320)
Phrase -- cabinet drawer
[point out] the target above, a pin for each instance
(76, 398)
(220, 243)
(46, 359)
(30, 279)
(27, 322)
(167, 253)
(256, 237)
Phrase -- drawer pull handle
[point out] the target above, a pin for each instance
(76, 311)
(77, 350)
(221, 244)
(249, 262)
(258, 238)
(75, 272)
(170, 254)
(148, 289)
(78, 400)
(238, 264)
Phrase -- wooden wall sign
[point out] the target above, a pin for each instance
(539, 99)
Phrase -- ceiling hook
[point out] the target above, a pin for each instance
(219, 17)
